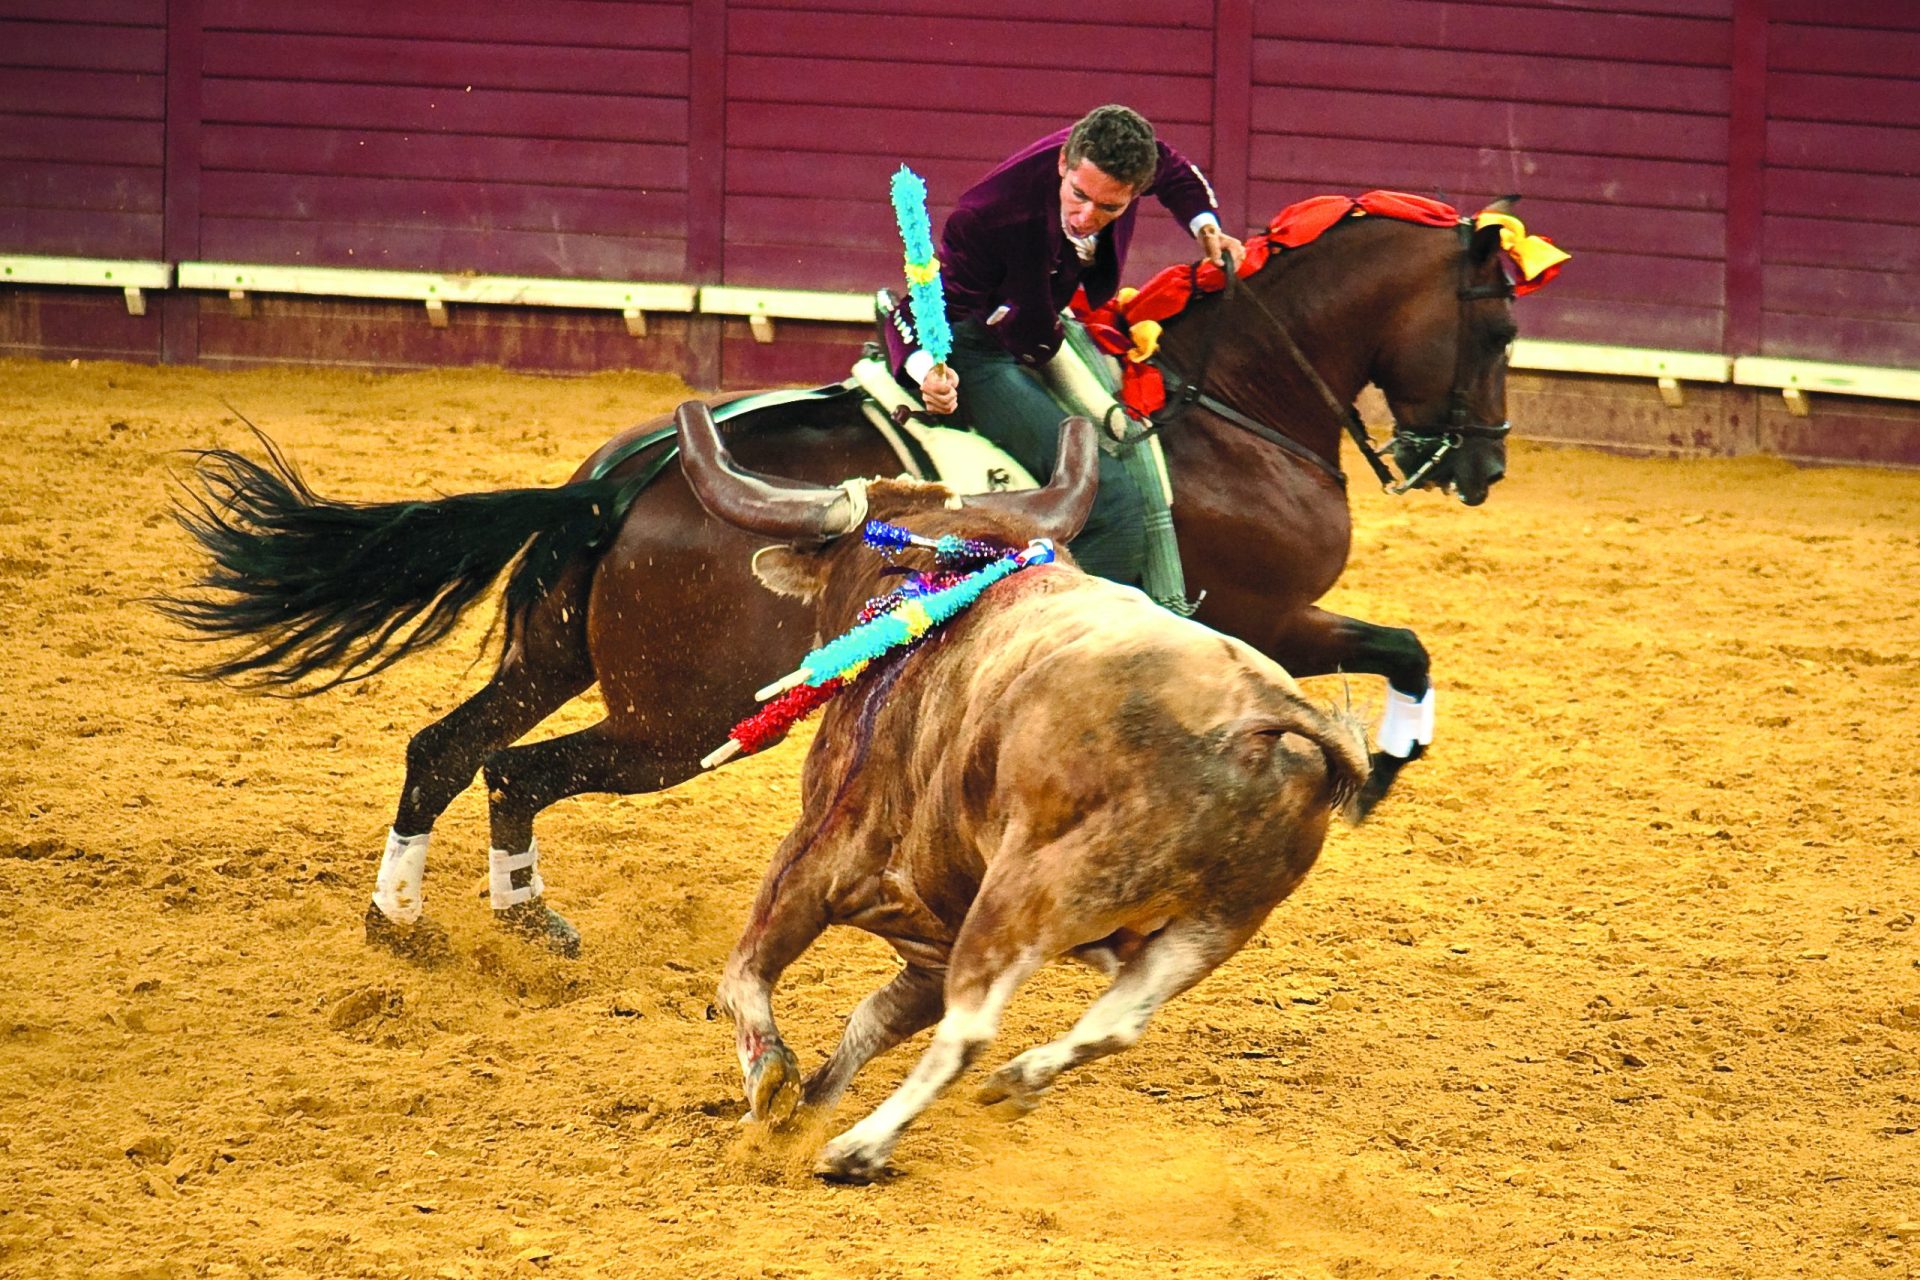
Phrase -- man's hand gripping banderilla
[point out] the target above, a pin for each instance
(940, 390)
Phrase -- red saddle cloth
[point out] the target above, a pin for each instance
(1168, 293)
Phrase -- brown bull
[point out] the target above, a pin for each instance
(1065, 769)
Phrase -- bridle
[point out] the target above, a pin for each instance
(1431, 442)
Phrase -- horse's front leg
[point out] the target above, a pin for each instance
(1315, 642)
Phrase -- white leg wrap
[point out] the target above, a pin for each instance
(399, 889)
(500, 868)
(1406, 721)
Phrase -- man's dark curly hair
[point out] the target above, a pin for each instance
(1119, 142)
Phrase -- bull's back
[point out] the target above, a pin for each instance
(1095, 701)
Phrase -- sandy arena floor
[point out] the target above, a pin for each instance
(1624, 981)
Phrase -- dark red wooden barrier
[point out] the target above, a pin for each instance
(1735, 175)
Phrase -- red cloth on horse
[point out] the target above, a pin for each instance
(1300, 223)
(1168, 293)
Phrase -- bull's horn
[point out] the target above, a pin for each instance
(1063, 506)
(787, 510)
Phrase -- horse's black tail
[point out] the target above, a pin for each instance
(315, 585)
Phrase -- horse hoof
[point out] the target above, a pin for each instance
(1008, 1094)
(773, 1085)
(851, 1163)
(535, 921)
(424, 942)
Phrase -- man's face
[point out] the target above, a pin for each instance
(1089, 199)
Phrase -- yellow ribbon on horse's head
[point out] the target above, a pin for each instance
(1531, 254)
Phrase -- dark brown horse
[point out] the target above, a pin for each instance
(630, 584)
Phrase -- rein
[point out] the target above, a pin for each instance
(1440, 439)
(1192, 390)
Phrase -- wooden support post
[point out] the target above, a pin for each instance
(437, 313)
(1670, 393)
(1796, 399)
(636, 321)
(242, 303)
(136, 301)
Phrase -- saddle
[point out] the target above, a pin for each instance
(1080, 379)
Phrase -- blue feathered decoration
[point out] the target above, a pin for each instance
(923, 269)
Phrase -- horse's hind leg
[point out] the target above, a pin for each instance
(1170, 962)
(545, 666)
(1318, 643)
(521, 781)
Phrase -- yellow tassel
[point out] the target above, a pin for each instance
(926, 273)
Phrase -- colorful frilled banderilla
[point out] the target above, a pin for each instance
(888, 624)
(909, 192)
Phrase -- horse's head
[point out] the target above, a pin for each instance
(1443, 365)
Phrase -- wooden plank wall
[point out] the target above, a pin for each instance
(518, 138)
(1734, 175)
(82, 105)
(823, 107)
(82, 142)
(1841, 240)
(1609, 118)
(515, 138)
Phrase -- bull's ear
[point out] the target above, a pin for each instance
(789, 571)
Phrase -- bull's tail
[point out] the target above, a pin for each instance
(315, 585)
(1342, 738)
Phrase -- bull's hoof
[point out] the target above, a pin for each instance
(424, 942)
(773, 1085)
(1009, 1094)
(535, 921)
(854, 1163)
(1384, 769)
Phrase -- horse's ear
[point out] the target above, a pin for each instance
(789, 571)
(1487, 239)
(1486, 242)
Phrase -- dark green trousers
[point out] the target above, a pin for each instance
(1005, 402)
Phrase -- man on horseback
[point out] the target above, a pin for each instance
(1056, 217)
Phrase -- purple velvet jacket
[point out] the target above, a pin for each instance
(1003, 248)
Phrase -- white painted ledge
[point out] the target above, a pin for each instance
(132, 276)
(437, 290)
(1838, 379)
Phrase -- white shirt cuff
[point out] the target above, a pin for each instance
(919, 365)
(1202, 220)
